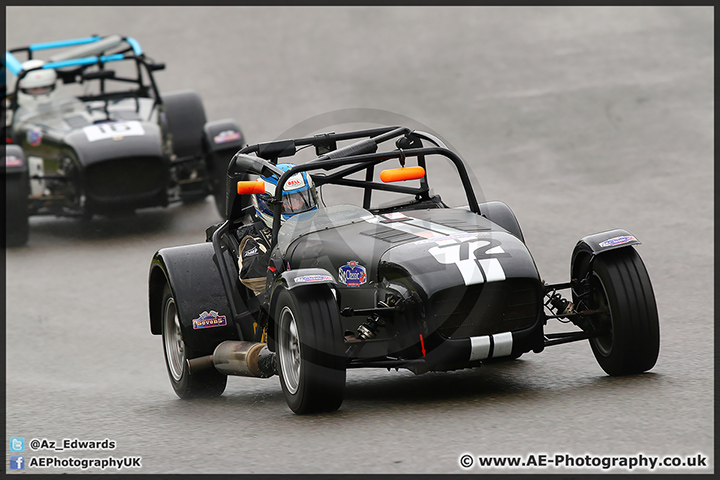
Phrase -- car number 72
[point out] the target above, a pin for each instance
(477, 260)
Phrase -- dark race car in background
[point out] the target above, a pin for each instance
(415, 282)
(108, 142)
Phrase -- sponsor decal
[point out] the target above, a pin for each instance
(227, 136)
(34, 136)
(13, 161)
(115, 131)
(352, 274)
(209, 319)
(617, 241)
(294, 182)
(313, 278)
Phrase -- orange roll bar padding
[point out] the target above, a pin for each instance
(400, 174)
(250, 187)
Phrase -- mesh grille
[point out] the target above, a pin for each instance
(125, 177)
(485, 308)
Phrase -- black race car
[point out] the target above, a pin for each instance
(106, 141)
(413, 283)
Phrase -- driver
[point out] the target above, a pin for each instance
(299, 195)
(37, 86)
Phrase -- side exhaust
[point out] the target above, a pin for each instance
(246, 359)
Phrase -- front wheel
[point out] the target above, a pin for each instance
(17, 213)
(206, 383)
(310, 354)
(629, 332)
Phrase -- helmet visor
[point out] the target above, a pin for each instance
(38, 90)
(298, 202)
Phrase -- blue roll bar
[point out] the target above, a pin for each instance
(15, 66)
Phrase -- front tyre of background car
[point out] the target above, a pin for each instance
(311, 361)
(629, 342)
(17, 212)
(205, 383)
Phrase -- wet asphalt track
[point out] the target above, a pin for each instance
(581, 119)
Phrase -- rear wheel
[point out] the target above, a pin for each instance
(17, 212)
(206, 383)
(629, 339)
(310, 354)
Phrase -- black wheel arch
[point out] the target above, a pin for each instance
(501, 214)
(197, 286)
(596, 244)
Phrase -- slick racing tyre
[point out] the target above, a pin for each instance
(310, 354)
(17, 214)
(205, 383)
(629, 341)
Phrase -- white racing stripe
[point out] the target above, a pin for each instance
(480, 346)
(435, 227)
(493, 270)
(502, 344)
(414, 226)
(405, 227)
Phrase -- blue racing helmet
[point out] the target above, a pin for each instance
(299, 196)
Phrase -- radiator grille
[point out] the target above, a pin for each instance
(125, 177)
(485, 309)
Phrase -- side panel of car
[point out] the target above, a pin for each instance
(41, 149)
(200, 294)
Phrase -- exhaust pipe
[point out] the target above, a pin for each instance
(246, 359)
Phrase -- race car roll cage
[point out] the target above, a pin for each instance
(357, 157)
(90, 51)
(362, 155)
